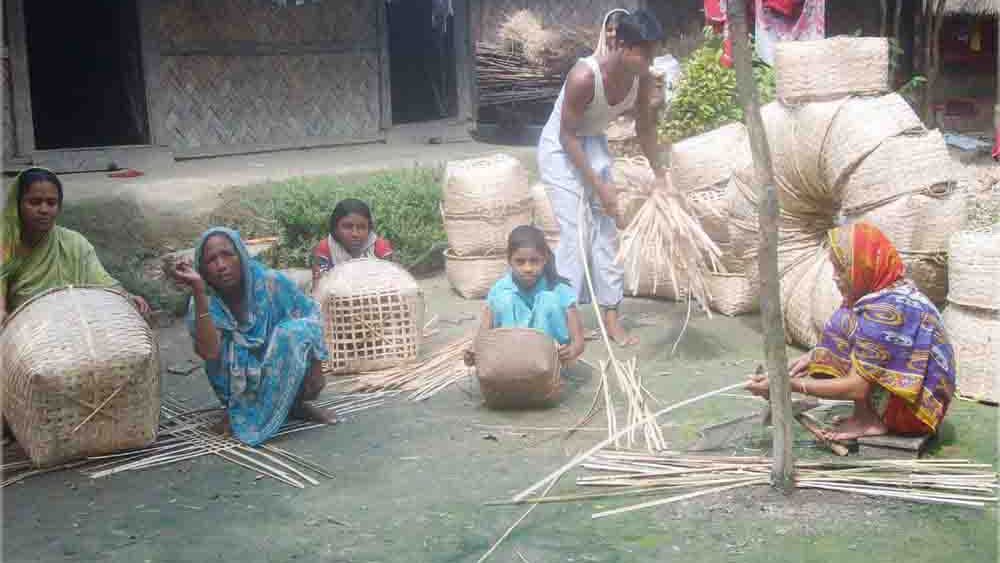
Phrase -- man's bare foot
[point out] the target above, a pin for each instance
(306, 411)
(616, 331)
(853, 428)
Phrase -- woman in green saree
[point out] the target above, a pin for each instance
(35, 253)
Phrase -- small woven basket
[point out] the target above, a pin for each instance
(517, 368)
(975, 335)
(81, 375)
(974, 268)
(485, 186)
(830, 68)
(373, 316)
(473, 276)
(732, 294)
(709, 159)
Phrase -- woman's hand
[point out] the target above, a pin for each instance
(568, 353)
(141, 305)
(758, 385)
(469, 356)
(800, 367)
(184, 274)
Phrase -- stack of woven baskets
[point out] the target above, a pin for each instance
(842, 150)
(973, 313)
(483, 200)
(373, 314)
(701, 168)
(81, 375)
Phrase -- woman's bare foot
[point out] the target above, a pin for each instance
(864, 422)
(222, 427)
(616, 331)
(306, 411)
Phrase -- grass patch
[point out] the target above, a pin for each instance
(117, 230)
(404, 203)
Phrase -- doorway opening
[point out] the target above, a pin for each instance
(85, 73)
(421, 60)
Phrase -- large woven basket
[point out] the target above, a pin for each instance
(373, 316)
(974, 269)
(830, 68)
(921, 222)
(900, 165)
(491, 185)
(517, 368)
(861, 126)
(975, 335)
(732, 294)
(81, 375)
(708, 159)
(473, 276)
(543, 216)
(477, 235)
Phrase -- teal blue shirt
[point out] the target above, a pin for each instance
(542, 308)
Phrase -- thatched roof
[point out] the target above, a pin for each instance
(972, 7)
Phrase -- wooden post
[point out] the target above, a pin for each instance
(996, 108)
(774, 329)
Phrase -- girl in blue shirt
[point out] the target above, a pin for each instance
(533, 295)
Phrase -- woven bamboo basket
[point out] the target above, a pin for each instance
(880, 177)
(517, 368)
(373, 316)
(543, 216)
(929, 272)
(473, 276)
(826, 296)
(798, 286)
(709, 159)
(974, 268)
(81, 375)
(921, 222)
(491, 186)
(732, 294)
(830, 68)
(711, 208)
(860, 127)
(479, 235)
(654, 280)
(975, 335)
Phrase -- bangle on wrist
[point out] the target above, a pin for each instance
(203, 315)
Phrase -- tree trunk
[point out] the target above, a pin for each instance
(782, 470)
(884, 25)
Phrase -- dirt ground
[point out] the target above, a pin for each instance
(411, 480)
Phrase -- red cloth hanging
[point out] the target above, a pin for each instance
(996, 145)
(787, 8)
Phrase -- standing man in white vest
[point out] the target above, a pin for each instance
(575, 162)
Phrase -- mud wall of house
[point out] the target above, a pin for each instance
(252, 72)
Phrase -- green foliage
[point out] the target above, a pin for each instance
(706, 96)
(404, 204)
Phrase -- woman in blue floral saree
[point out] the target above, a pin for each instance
(261, 338)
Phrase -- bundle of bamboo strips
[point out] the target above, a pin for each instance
(638, 414)
(186, 434)
(617, 473)
(665, 227)
(422, 380)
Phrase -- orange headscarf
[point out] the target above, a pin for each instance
(867, 257)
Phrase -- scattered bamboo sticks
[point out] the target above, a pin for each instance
(618, 473)
(186, 434)
(422, 380)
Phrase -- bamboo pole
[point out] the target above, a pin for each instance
(774, 328)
